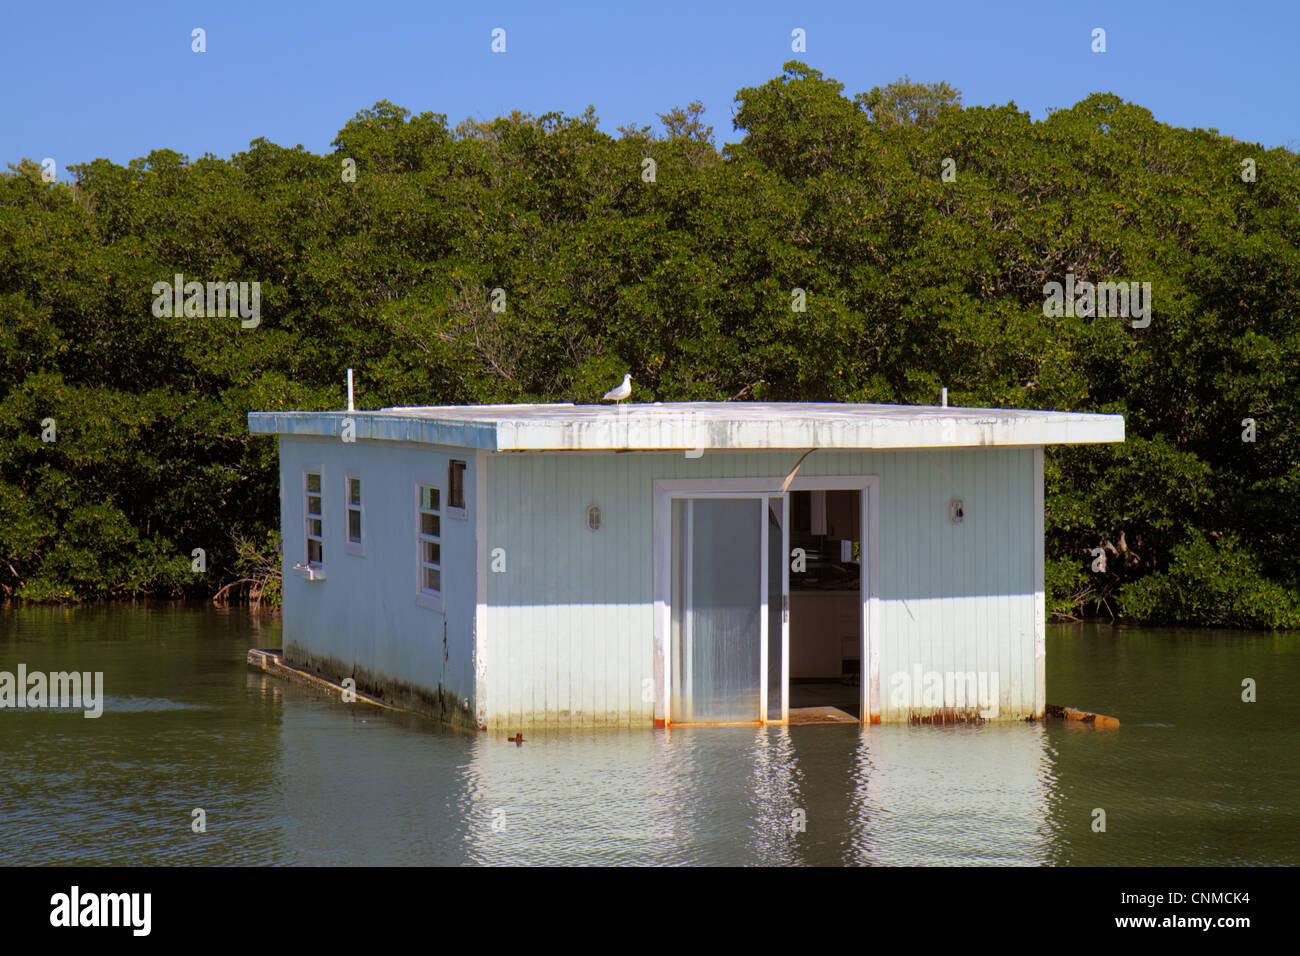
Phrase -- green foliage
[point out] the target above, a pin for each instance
(259, 564)
(1212, 582)
(904, 103)
(912, 280)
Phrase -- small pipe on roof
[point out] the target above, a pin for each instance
(943, 396)
(350, 407)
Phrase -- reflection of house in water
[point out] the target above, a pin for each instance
(366, 788)
(956, 796)
(515, 565)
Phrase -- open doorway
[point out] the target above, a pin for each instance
(825, 628)
(764, 599)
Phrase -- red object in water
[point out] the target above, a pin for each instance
(517, 739)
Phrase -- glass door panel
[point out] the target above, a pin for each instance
(776, 607)
(718, 567)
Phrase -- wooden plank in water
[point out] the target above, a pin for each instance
(1082, 716)
(272, 662)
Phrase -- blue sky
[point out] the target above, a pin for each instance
(90, 79)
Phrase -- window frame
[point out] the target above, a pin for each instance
(356, 548)
(426, 597)
(462, 510)
(313, 569)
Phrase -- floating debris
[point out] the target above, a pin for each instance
(1082, 716)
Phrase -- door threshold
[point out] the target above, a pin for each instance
(821, 715)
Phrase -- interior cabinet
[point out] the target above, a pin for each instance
(824, 631)
(843, 515)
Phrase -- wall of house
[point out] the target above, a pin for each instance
(569, 636)
(363, 619)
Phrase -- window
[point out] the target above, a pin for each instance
(312, 514)
(456, 489)
(355, 543)
(428, 540)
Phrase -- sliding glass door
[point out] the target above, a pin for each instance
(726, 609)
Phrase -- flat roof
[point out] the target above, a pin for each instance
(671, 426)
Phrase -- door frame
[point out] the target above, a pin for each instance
(667, 489)
(764, 597)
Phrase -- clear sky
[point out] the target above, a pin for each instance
(86, 79)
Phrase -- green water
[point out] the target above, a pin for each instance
(288, 776)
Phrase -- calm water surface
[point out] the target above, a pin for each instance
(288, 776)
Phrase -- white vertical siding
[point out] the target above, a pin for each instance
(364, 616)
(569, 626)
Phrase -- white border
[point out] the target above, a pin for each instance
(1040, 597)
(480, 659)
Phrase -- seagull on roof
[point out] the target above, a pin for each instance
(619, 392)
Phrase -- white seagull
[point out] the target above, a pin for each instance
(619, 392)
